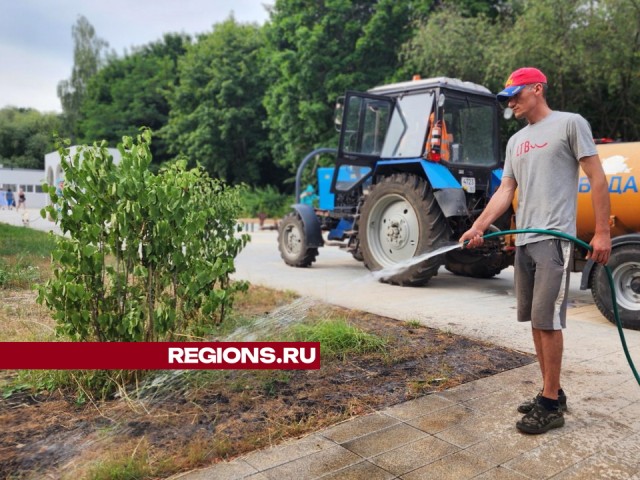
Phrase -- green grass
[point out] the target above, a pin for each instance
(21, 241)
(123, 466)
(21, 274)
(24, 256)
(338, 338)
(413, 324)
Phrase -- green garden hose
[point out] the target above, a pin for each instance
(586, 246)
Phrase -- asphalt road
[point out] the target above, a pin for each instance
(479, 308)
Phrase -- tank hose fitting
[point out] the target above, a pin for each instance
(586, 246)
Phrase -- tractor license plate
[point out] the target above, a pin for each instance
(469, 184)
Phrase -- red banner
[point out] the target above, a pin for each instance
(159, 355)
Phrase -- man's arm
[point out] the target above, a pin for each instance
(499, 203)
(601, 241)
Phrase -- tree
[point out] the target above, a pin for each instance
(611, 66)
(217, 116)
(589, 52)
(131, 92)
(316, 51)
(25, 136)
(89, 55)
(451, 44)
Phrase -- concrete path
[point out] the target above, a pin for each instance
(468, 431)
(27, 218)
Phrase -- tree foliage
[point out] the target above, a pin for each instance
(147, 256)
(25, 136)
(613, 67)
(475, 8)
(89, 54)
(588, 50)
(130, 93)
(319, 49)
(216, 110)
(590, 53)
(454, 45)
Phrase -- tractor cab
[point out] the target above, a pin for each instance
(421, 125)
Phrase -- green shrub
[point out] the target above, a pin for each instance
(266, 201)
(147, 255)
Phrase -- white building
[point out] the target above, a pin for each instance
(30, 181)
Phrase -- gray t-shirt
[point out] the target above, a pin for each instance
(543, 158)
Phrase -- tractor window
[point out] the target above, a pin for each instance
(365, 125)
(472, 130)
(408, 127)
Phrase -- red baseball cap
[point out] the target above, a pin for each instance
(518, 80)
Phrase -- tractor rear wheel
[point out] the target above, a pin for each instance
(400, 220)
(292, 242)
(468, 263)
(625, 270)
(484, 262)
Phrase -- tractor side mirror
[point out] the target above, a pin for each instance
(339, 111)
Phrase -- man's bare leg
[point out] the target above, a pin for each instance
(549, 346)
(537, 342)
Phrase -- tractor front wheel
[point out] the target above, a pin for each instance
(292, 242)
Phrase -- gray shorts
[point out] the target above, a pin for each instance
(542, 283)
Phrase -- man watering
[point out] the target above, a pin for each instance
(542, 162)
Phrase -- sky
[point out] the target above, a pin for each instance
(36, 45)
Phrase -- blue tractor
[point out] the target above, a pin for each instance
(416, 163)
